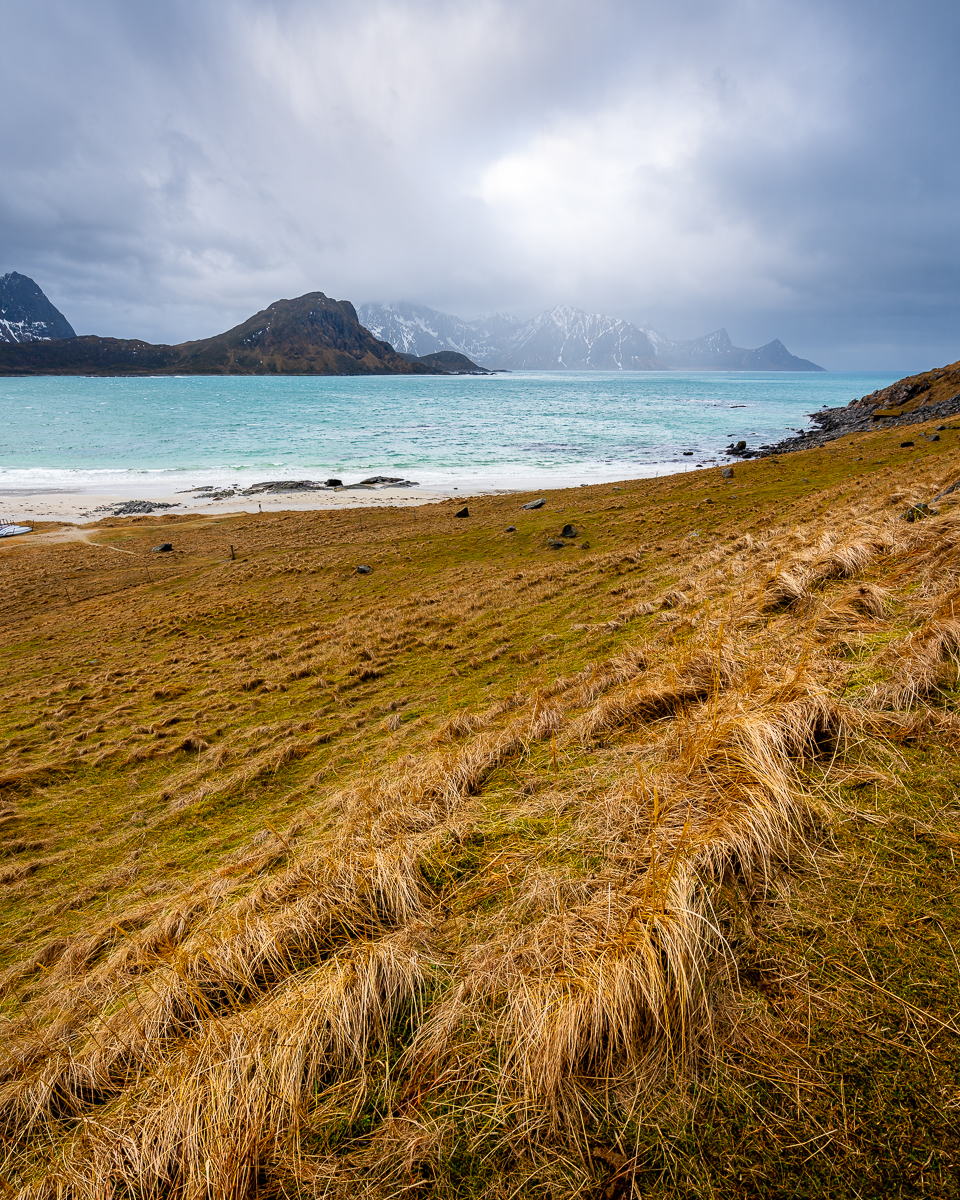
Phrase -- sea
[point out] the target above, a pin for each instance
(520, 430)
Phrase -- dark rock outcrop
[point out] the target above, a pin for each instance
(26, 315)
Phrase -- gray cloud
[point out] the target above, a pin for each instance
(786, 169)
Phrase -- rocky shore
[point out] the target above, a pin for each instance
(910, 401)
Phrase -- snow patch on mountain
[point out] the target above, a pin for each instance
(566, 338)
(26, 315)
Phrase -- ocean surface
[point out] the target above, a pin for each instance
(520, 430)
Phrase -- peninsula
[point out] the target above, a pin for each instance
(311, 335)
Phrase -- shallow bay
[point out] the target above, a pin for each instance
(521, 430)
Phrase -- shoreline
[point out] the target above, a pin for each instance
(87, 506)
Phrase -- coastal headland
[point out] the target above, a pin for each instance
(914, 400)
(599, 848)
(311, 335)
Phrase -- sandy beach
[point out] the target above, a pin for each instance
(22, 505)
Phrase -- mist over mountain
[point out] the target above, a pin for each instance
(26, 315)
(565, 338)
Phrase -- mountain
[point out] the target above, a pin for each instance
(312, 335)
(566, 338)
(26, 315)
(569, 339)
(414, 329)
(716, 352)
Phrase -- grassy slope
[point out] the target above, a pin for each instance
(501, 870)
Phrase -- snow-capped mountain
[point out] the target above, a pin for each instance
(565, 338)
(414, 329)
(26, 315)
(569, 339)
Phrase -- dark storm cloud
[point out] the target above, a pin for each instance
(786, 169)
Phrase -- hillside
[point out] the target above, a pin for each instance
(915, 400)
(312, 335)
(565, 338)
(524, 865)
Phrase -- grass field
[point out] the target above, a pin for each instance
(621, 869)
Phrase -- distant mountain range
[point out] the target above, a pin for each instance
(312, 335)
(26, 315)
(567, 339)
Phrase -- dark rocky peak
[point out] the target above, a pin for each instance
(26, 315)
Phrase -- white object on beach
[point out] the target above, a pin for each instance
(12, 530)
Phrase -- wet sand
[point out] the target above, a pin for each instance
(22, 506)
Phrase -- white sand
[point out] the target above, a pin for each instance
(21, 505)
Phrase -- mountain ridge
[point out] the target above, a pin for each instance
(310, 335)
(567, 338)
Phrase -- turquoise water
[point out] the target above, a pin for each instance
(526, 429)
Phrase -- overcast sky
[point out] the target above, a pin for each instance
(785, 169)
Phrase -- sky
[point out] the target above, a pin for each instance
(783, 169)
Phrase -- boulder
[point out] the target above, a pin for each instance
(163, 548)
(917, 512)
(554, 544)
(568, 531)
(535, 503)
(363, 570)
(333, 483)
(726, 472)
(904, 445)
(131, 508)
(464, 512)
(510, 529)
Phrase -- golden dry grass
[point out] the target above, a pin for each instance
(445, 879)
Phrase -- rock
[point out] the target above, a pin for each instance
(464, 512)
(904, 445)
(535, 503)
(163, 548)
(726, 472)
(363, 570)
(568, 531)
(281, 485)
(333, 483)
(130, 507)
(688, 454)
(941, 428)
(934, 437)
(554, 544)
(584, 545)
(510, 529)
(709, 500)
(917, 512)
